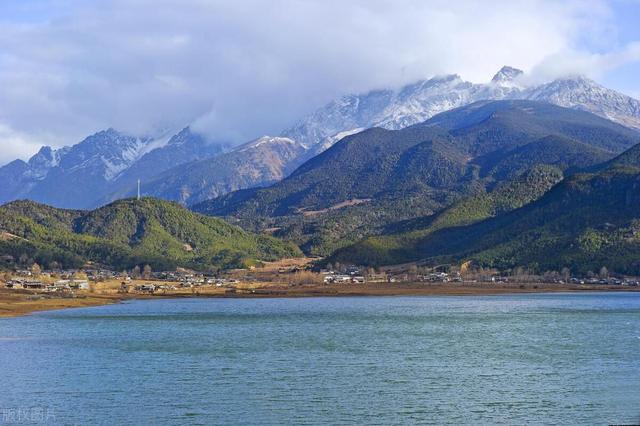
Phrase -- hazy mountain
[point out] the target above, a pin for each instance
(183, 148)
(507, 76)
(15, 180)
(375, 177)
(261, 162)
(82, 175)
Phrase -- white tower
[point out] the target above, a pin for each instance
(138, 189)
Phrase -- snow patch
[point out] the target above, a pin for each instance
(265, 140)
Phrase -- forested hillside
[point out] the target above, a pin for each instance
(370, 180)
(588, 221)
(128, 233)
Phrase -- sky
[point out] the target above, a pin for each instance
(236, 70)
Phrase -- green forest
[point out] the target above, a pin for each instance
(131, 232)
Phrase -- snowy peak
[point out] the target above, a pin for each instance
(185, 136)
(506, 75)
(101, 164)
(390, 109)
(421, 100)
(266, 141)
(45, 155)
(585, 94)
(44, 160)
(107, 153)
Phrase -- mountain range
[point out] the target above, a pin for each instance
(83, 175)
(369, 181)
(189, 168)
(439, 172)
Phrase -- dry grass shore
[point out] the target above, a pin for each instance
(15, 303)
(22, 302)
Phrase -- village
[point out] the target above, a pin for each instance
(27, 290)
(275, 276)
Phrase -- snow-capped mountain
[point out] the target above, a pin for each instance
(80, 175)
(260, 162)
(507, 76)
(105, 154)
(46, 159)
(185, 166)
(582, 93)
(184, 147)
(422, 100)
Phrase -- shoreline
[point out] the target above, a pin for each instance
(16, 303)
(22, 303)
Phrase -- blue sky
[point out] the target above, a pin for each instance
(626, 22)
(241, 69)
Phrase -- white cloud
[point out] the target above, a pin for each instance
(594, 65)
(14, 144)
(251, 67)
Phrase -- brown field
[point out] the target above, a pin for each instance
(353, 202)
(22, 302)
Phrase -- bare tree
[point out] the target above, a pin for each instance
(36, 270)
(146, 272)
(80, 275)
(413, 272)
(604, 272)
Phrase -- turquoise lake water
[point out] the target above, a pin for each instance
(545, 358)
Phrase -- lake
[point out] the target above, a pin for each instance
(538, 358)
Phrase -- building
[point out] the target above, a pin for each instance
(79, 284)
(341, 278)
(15, 284)
(33, 285)
(145, 288)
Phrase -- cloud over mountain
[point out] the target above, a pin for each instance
(243, 69)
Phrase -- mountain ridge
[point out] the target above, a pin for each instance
(587, 221)
(101, 161)
(113, 174)
(421, 169)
